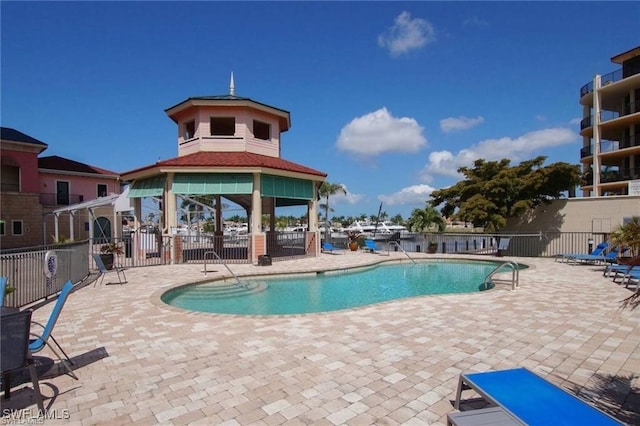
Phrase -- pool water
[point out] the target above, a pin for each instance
(335, 290)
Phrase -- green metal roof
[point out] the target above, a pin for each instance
(151, 187)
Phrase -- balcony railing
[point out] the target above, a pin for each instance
(585, 122)
(605, 146)
(612, 77)
(628, 142)
(620, 175)
(60, 199)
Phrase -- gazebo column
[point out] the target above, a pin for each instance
(170, 214)
(258, 240)
(218, 235)
(312, 209)
(135, 237)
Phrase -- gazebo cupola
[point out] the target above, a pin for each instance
(229, 149)
(228, 123)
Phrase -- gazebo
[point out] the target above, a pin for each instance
(229, 148)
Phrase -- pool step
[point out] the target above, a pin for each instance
(225, 290)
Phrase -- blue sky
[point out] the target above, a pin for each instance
(387, 98)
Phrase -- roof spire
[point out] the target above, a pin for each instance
(232, 87)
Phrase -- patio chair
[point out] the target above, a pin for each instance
(633, 274)
(328, 247)
(39, 342)
(372, 246)
(609, 257)
(528, 398)
(118, 269)
(14, 351)
(598, 251)
(3, 288)
(621, 268)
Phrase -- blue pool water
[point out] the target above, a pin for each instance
(333, 290)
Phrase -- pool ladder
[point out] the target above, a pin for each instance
(238, 282)
(515, 274)
(395, 243)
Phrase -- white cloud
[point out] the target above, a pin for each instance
(379, 132)
(459, 123)
(446, 163)
(541, 117)
(415, 194)
(575, 121)
(349, 198)
(406, 34)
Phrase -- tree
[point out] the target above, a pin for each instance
(422, 220)
(493, 191)
(326, 190)
(397, 219)
(628, 236)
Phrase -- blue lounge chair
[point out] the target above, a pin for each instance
(633, 274)
(3, 288)
(621, 268)
(39, 342)
(372, 246)
(528, 398)
(610, 257)
(598, 251)
(328, 247)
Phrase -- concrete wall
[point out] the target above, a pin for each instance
(596, 214)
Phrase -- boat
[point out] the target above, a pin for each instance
(370, 230)
(390, 227)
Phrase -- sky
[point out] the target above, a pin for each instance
(388, 98)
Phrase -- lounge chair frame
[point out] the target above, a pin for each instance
(118, 269)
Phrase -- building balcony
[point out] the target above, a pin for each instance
(629, 142)
(605, 80)
(586, 122)
(624, 174)
(60, 199)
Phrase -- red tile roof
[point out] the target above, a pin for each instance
(60, 163)
(231, 159)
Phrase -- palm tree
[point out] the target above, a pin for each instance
(325, 191)
(423, 219)
(628, 235)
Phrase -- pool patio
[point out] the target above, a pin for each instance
(140, 361)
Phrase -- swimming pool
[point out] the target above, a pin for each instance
(333, 290)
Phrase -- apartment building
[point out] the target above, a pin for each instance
(610, 129)
(34, 188)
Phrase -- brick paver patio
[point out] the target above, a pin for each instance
(140, 361)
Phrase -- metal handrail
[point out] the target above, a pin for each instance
(515, 274)
(390, 243)
(240, 283)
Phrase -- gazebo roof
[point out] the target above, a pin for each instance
(208, 159)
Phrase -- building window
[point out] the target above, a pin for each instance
(189, 130)
(62, 193)
(102, 190)
(261, 130)
(9, 179)
(16, 227)
(223, 126)
(3, 231)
